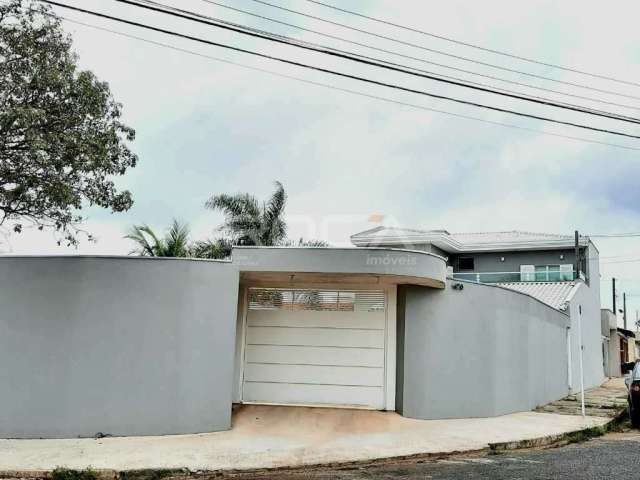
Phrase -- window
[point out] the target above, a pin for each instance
(466, 263)
(320, 300)
(546, 273)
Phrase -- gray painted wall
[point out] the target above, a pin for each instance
(122, 346)
(479, 352)
(587, 297)
(490, 261)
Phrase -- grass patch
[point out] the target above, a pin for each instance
(149, 474)
(586, 434)
(62, 473)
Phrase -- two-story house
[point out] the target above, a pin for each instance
(541, 265)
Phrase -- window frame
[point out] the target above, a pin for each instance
(473, 264)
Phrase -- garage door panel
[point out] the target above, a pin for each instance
(363, 357)
(372, 397)
(315, 347)
(330, 337)
(314, 374)
(311, 318)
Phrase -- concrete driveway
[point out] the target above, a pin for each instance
(276, 436)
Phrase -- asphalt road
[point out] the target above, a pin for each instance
(615, 456)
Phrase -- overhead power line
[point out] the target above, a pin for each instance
(252, 32)
(422, 60)
(344, 90)
(440, 52)
(478, 47)
(632, 260)
(615, 235)
(337, 73)
(370, 61)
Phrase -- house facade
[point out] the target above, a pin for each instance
(147, 346)
(539, 264)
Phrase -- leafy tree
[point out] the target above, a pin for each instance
(61, 138)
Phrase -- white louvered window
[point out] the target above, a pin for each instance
(313, 299)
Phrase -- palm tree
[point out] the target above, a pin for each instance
(174, 244)
(248, 223)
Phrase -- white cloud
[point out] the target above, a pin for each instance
(205, 127)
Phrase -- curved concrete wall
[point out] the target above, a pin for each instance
(405, 266)
(122, 346)
(478, 352)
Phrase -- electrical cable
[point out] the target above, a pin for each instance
(340, 74)
(484, 49)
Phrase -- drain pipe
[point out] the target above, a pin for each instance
(581, 366)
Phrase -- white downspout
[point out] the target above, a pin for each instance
(569, 364)
(581, 367)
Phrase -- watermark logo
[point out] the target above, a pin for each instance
(389, 260)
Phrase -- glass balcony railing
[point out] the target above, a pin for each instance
(510, 277)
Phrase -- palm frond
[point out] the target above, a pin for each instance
(219, 248)
(235, 205)
(176, 241)
(138, 234)
(249, 223)
(274, 229)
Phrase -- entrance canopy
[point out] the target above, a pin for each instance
(364, 266)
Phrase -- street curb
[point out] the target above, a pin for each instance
(576, 436)
(496, 448)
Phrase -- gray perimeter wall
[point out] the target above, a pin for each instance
(480, 352)
(587, 297)
(122, 346)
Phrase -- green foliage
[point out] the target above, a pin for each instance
(175, 243)
(150, 474)
(248, 223)
(214, 249)
(61, 473)
(61, 138)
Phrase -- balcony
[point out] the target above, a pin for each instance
(511, 277)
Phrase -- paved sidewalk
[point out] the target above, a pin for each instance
(607, 401)
(272, 436)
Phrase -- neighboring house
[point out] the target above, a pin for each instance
(611, 344)
(539, 264)
(622, 348)
(626, 349)
(148, 346)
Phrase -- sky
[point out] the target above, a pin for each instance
(206, 127)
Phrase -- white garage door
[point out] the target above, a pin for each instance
(315, 347)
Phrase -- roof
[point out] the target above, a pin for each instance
(627, 333)
(510, 236)
(466, 242)
(554, 294)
